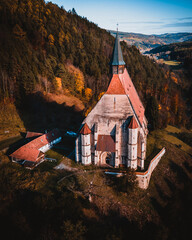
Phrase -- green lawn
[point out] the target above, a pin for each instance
(55, 154)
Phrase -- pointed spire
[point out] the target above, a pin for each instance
(117, 59)
(85, 129)
(133, 123)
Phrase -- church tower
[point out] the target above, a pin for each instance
(85, 145)
(132, 143)
(117, 63)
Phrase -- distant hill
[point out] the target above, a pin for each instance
(147, 42)
(176, 51)
(180, 52)
(178, 56)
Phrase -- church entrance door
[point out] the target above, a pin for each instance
(106, 158)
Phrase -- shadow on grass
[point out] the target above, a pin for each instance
(155, 151)
(39, 115)
(18, 142)
(175, 212)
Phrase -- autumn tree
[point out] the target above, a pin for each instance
(51, 39)
(88, 93)
(18, 32)
(78, 76)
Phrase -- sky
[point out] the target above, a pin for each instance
(138, 16)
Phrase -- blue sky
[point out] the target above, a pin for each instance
(139, 16)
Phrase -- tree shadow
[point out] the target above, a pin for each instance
(39, 115)
(161, 193)
(187, 166)
(175, 211)
(14, 146)
(181, 174)
(171, 186)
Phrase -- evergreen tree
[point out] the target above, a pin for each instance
(152, 113)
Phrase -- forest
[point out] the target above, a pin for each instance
(46, 49)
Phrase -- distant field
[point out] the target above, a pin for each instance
(171, 63)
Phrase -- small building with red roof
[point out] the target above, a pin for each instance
(32, 153)
(115, 131)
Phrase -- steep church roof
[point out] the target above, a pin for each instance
(117, 58)
(121, 83)
(85, 129)
(115, 86)
(132, 95)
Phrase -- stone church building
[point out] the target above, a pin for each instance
(115, 131)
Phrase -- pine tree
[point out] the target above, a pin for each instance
(152, 112)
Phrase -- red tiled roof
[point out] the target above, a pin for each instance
(85, 129)
(30, 151)
(33, 134)
(133, 96)
(115, 86)
(105, 143)
(122, 84)
(133, 123)
(26, 153)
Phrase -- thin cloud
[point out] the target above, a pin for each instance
(140, 22)
(184, 18)
(179, 24)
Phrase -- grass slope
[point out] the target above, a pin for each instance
(161, 212)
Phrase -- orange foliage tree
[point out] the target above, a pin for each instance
(51, 39)
(78, 76)
(88, 93)
(100, 95)
(58, 82)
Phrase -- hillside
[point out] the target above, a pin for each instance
(147, 42)
(181, 52)
(54, 66)
(45, 49)
(178, 58)
(60, 198)
(40, 42)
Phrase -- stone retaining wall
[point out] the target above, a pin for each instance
(143, 178)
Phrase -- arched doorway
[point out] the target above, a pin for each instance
(106, 158)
